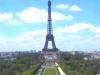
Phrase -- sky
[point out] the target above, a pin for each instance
(23, 25)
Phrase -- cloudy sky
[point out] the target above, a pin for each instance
(23, 24)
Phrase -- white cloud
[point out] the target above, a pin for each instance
(71, 36)
(31, 15)
(8, 18)
(62, 6)
(65, 38)
(31, 35)
(66, 6)
(34, 15)
(97, 36)
(96, 29)
(77, 27)
(5, 16)
(1, 37)
(72, 40)
(27, 41)
(75, 8)
(59, 16)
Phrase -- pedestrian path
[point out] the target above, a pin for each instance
(60, 70)
(50, 69)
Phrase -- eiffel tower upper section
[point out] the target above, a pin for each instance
(49, 28)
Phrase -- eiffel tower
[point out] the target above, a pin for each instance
(49, 37)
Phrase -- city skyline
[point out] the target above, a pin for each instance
(23, 24)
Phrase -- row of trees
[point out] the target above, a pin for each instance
(24, 64)
(76, 65)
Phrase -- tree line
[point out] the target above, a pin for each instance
(76, 65)
(24, 64)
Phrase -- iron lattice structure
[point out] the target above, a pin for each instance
(49, 36)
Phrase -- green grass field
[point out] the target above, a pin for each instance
(50, 71)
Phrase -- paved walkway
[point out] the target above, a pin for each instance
(47, 65)
(60, 70)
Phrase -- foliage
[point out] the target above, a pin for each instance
(24, 64)
(76, 65)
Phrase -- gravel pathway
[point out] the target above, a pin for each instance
(60, 70)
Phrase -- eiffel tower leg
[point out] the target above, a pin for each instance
(53, 44)
(46, 44)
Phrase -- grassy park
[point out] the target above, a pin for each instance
(50, 71)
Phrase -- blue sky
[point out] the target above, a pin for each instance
(23, 24)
